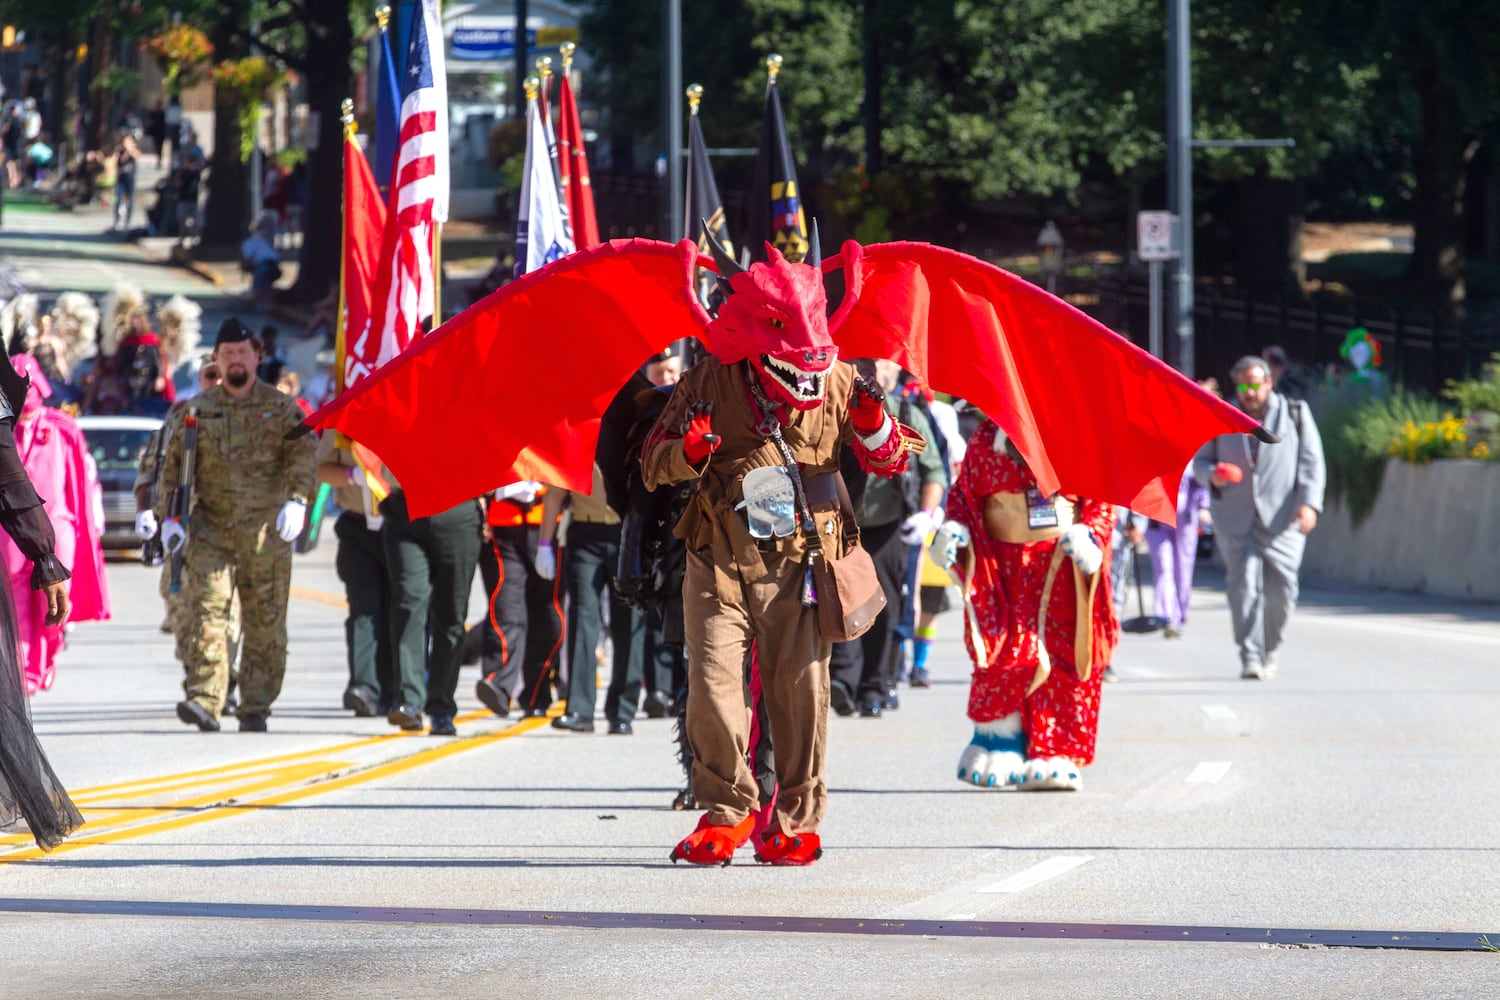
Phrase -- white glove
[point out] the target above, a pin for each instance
(1079, 543)
(546, 561)
(173, 534)
(918, 526)
(951, 537)
(523, 492)
(291, 519)
(145, 523)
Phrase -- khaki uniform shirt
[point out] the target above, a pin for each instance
(245, 469)
(592, 507)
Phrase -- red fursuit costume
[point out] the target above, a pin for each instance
(1004, 582)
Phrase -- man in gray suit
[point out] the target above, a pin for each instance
(1265, 501)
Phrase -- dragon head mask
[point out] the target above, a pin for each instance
(776, 315)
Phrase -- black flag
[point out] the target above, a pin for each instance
(704, 205)
(776, 215)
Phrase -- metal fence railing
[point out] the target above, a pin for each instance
(1421, 351)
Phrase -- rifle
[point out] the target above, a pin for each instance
(180, 504)
(152, 552)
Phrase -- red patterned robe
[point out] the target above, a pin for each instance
(1003, 593)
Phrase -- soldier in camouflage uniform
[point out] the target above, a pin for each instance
(250, 493)
(148, 488)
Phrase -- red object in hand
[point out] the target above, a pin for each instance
(867, 407)
(1229, 472)
(698, 438)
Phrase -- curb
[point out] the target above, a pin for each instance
(180, 257)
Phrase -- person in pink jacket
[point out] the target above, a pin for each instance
(57, 460)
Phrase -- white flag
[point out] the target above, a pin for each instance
(544, 230)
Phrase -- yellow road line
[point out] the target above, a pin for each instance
(219, 771)
(319, 597)
(333, 784)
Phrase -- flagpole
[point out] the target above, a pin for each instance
(437, 225)
(694, 94)
(351, 127)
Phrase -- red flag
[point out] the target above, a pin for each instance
(573, 165)
(364, 224)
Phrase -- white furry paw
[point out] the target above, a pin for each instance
(1051, 774)
(973, 764)
(1003, 769)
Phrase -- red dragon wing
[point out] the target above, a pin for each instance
(514, 387)
(1092, 413)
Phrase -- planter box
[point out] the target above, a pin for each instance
(1435, 530)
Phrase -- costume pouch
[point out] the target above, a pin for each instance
(770, 503)
(849, 594)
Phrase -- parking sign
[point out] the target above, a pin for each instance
(1153, 236)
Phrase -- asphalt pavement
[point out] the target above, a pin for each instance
(1331, 833)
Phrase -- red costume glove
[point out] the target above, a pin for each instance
(698, 438)
(867, 407)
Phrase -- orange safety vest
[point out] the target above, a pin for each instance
(509, 514)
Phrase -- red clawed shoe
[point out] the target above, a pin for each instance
(713, 845)
(798, 849)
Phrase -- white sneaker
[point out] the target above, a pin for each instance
(1253, 670)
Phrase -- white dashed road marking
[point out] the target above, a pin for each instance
(1210, 772)
(1219, 713)
(1037, 874)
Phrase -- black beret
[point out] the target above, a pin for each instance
(232, 331)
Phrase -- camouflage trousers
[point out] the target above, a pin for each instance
(178, 623)
(255, 566)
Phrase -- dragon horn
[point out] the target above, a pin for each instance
(728, 266)
(814, 256)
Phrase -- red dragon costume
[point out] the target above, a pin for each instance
(1040, 621)
(958, 324)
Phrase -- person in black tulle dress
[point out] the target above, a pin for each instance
(29, 790)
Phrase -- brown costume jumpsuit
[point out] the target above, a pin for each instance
(740, 591)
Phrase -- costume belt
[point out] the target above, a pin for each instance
(1005, 520)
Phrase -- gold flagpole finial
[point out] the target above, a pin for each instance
(346, 115)
(773, 65)
(544, 68)
(567, 49)
(695, 97)
(382, 17)
(532, 85)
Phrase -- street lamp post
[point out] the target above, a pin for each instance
(1050, 247)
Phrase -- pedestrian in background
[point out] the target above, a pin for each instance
(361, 564)
(58, 463)
(589, 561)
(148, 490)
(1265, 500)
(250, 492)
(127, 156)
(894, 515)
(431, 563)
(1174, 552)
(524, 625)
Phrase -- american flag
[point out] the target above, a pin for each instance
(419, 190)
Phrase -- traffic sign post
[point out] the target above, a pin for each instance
(1154, 245)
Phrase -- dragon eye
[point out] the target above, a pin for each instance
(807, 356)
(778, 324)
